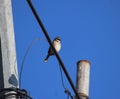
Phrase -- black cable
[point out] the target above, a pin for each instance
(26, 53)
(50, 42)
(16, 92)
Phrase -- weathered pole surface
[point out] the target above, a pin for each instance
(82, 78)
(8, 63)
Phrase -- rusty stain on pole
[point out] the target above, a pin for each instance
(82, 79)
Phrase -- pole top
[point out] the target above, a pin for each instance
(86, 61)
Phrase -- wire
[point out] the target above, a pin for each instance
(25, 55)
(62, 80)
(50, 43)
(63, 85)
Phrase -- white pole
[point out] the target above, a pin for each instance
(82, 81)
(8, 63)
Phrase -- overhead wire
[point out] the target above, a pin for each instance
(22, 67)
(50, 43)
(63, 84)
(24, 58)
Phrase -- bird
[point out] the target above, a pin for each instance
(57, 45)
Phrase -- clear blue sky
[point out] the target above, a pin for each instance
(89, 29)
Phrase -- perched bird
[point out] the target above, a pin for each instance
(57, 46)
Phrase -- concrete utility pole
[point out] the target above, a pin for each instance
(8, 63)
(82, 81)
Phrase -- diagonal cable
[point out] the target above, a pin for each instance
(50, 42)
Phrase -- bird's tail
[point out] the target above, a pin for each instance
(46, 59)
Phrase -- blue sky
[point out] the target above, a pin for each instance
(89, 29)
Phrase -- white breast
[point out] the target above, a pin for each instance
(57, 46)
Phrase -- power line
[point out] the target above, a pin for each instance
(50, 42)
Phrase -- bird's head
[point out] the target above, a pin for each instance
(57, 39)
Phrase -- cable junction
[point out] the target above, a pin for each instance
(14, 92)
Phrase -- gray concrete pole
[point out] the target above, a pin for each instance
(82, 79)
(8, 63)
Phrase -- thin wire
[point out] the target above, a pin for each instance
(24, 58)
(63, 85)
(62, 80)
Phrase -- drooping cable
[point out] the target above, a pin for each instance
(25, 55)
(63, 85)
(62, 80)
